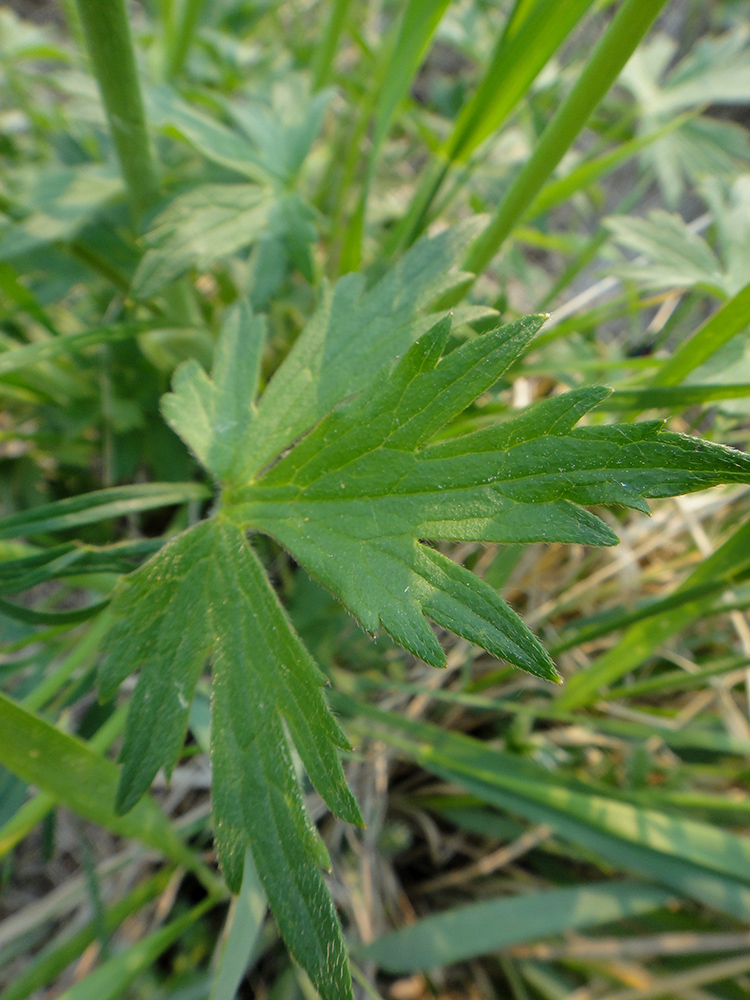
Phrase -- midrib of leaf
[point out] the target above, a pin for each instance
(251, 757)
(461, 467)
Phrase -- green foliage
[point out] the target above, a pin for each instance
(481, 927)
(230, 375)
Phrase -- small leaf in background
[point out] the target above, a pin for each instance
(168, 112)
(677, 256)
(284, 128)
(59, 202)
(729, 204)
(716, 71)
(208, 224)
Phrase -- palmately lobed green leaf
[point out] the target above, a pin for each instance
(355, 498)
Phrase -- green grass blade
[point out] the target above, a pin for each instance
(29, 616)
(700, 861)
(629, 25)
(673, 396)
(677, 680)
(106, 28)
(727, 322)
(74, 775)
(397, 72)
(243, 926)
(711, 740)
(421, 18)
(608, 623)
(113, 978)
(516, 62)
(643, 638)
(31, 354)
(80, 657)
(72, 559)
(557, 192)
(99, 506)
(326, 50)
(181, 37)
(532, 35)
(14, 830)
(468, 931)
(49, 963)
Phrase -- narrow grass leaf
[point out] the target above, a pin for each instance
(418, 24)
(732, 319)
(75, 776)
(673, 396)
(557, 192)
(72, 559)
(113, 978)
(117, 501)
(630, 23)
(55, 958)
(34, 810)
(466, 932)
(533, 33)
(19, 358)
(244, 924)
(519, 57)
(322, 63)
(643, 638)
(29, 616)
(700, 861)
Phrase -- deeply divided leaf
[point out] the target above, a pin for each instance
(205, 594)
(263, 677)
(338, 461)
(356, 497)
